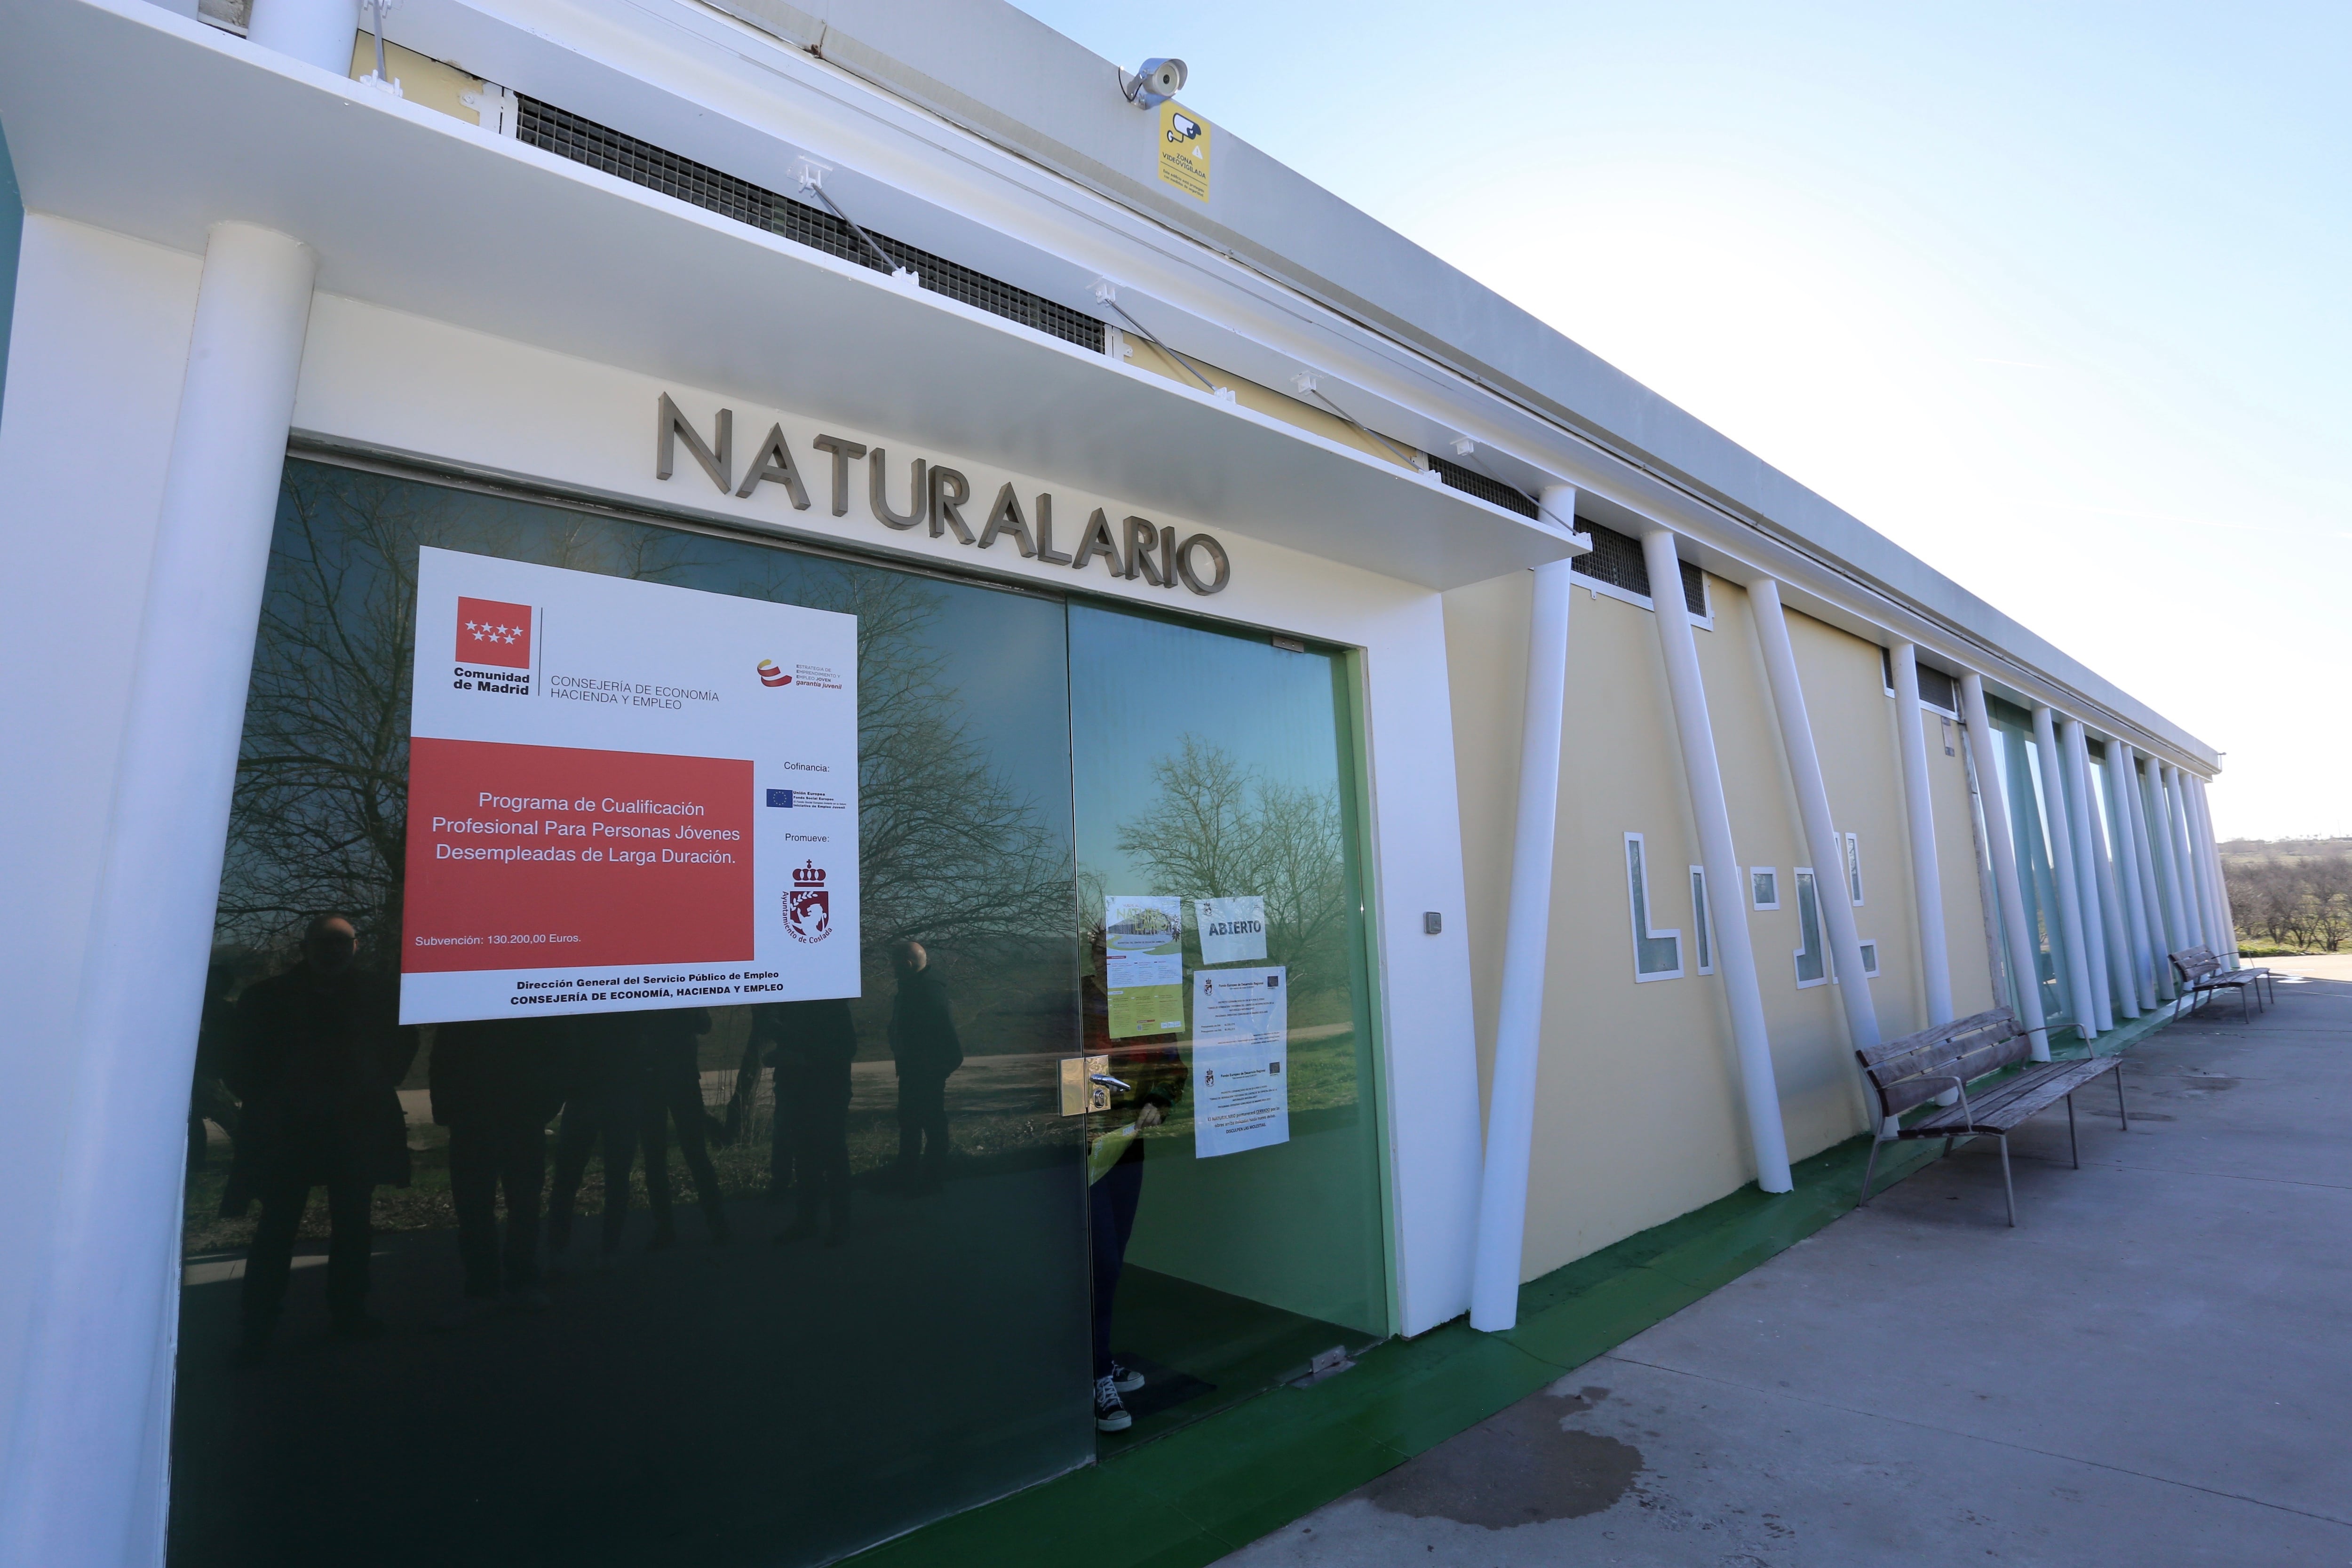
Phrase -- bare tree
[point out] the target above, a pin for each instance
(2293, 899)
(953, 853)
(1218, 829)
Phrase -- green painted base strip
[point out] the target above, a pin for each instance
(2127, 1033)
(1190, 1497)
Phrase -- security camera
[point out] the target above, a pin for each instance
(1155, 84)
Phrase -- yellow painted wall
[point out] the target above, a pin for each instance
(1261, 399)
(1821, 1102)
(1487, 667)
(1638, 1115)
(423, 81)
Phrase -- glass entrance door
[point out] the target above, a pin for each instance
(766, 1284)
(748, 1284)
(1235, 1198)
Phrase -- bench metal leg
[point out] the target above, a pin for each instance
(2074, 1146)
(2121, 1108)
(2008, 1186)
(1870, 1166)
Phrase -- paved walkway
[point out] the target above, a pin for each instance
(2155, 1368)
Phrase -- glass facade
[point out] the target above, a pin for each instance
(438, 1300)
(2017, 773)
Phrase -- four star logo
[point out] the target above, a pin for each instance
(490, 632)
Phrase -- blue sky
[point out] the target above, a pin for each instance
(2054, 295)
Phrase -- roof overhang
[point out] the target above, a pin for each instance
(129, 118)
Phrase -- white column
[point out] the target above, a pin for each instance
(2160, 845)
(2110, 942)
(2222, 910)
(2024, 977)
(1813, 809)
(2192, 872)
(86, 1485)
(2208, 855)
(2073, 930)
(2128, 876)
(2084, 871)
(1735, 951)
(319, 31)
(2151, 899)
(1919, 807)
(2178, 933)
(1518, 1023)
(2201, 863)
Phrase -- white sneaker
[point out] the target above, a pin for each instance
(1110, 1412)
(1125, 1378)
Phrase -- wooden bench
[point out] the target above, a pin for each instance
(1918, 1069)
(2203, 974)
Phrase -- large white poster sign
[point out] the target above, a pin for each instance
(1233, 930)
(623, 796)
(1241, 1051)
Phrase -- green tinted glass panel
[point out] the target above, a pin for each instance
(1652, 954)
(1217, 767)
(2019, 767)
(804, 1365)
(1812, 959)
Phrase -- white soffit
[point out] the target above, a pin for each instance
(126, 117)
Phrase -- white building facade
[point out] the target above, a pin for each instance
(1597, 789)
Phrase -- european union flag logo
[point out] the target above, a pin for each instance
(779, 797)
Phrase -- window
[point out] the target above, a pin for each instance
(1886, 670)
(1853, 868)
(1702, 919)
(1658, 954)
(1764, 887)
(1869, 961)
(1940, 690)
(1813, 958)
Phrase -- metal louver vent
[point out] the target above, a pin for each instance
(598, 146)
(1617, 560)
(1469, 481)
(1939, 689)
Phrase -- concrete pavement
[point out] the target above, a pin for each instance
(2155, 1368)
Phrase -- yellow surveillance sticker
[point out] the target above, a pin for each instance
(1184, 150)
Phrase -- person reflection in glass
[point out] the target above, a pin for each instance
(316, 1058)
(1149, 1078)
(601, 1113)
(210, 1099)
(924, 1044)
(496, 1082)
(670, 1090)
(813, 1046)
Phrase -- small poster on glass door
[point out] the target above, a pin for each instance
(1240, 1080)
(1233, 930)
(1143, 963)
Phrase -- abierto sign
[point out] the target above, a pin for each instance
(623, 796)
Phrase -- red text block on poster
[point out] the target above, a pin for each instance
(553, 857)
